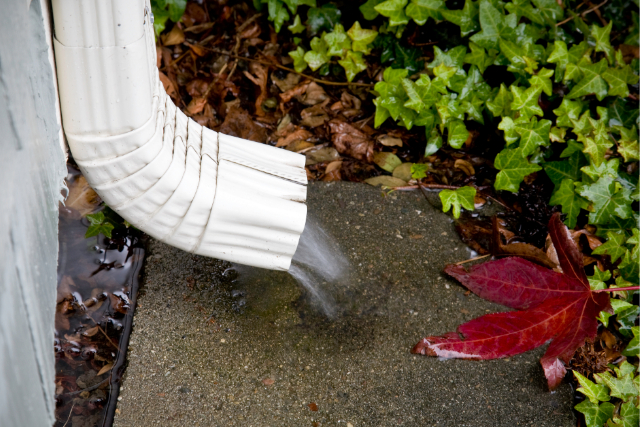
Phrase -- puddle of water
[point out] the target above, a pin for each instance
(318, 266)
(97, 286)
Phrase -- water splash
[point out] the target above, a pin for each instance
(318, 265)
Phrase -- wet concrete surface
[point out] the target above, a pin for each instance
(209, 349)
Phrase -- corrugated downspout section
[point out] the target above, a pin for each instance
(203, 192)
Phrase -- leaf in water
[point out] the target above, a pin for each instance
(98, 225)
(82, 200)
(553, 306)
(106, 368)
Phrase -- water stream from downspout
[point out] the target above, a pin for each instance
(317, 266)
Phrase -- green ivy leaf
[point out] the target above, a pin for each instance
(621, 387)
(296, 27)
(361, 38)
(500, 105)
(525, 101)
(460, 197)
(601, 36)
(619, 79)
(479, 57)
(277, 13)
(353, 63)
(634, 241)
(466, 18)
(608, 168)
(571, 202)
(419, 170)
(609, 200)
(572, 147)
(98, 224)
(614, 247)
(595, 392)
(513, 168)
(494, 26)
(368, 9)
(318, 56)
(299, 64)
(633, 348)
(550, 10)
(449, 108)
(543, 81)
(451, 58)
(323, 18)
(422, 93)
(623, 112)
(533, 134)
(629, 413)
(629, 269)
(565, 169)
(434, 142)
(595, 415)
(599, 279)
(458, 134)
(421, 10)
(407, 58)
(523, 8)
(338, 42)
(568, 111)
(394, 10)
(592, 82)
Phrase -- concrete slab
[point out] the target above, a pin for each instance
(209, 349)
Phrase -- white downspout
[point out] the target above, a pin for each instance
(184, 184)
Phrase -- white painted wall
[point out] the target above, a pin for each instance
(32, 169)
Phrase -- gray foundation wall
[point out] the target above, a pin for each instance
(32, 169)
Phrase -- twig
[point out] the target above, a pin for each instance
(93, 387)
(175, 61)
(595, 8)
(69, 417)
(472, 259)
(291, 70)
(104, 333)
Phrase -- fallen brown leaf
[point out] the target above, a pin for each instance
(389, 141)
(351, 141)
(314, 116)
(268, 381)
(196, 105)
(465, 167)
(313, 406)
(82, 200)
(169, 87)
(106, 368)
(322, 154)
(297, 135)
(297, 146)
(175, 36)
(197, 49)
(239, 123)
(286, 83)
(259, 75)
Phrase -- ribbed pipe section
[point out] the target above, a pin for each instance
(186, 185)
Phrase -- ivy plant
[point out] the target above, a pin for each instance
(349, 47)
(166, 9)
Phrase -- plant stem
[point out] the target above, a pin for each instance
(291, 70)
(629, 288)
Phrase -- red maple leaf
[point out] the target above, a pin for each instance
(556, 307)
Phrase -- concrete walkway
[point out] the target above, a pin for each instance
(210, 351)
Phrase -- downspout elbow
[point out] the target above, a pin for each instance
(181, 183)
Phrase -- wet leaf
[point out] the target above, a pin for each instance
(385, 181)
(552, 306)
(106, 368)
(82, 199)
(387, 161)
(98, 225)
(351, 141)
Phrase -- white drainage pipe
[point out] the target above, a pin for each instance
(186, 185)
